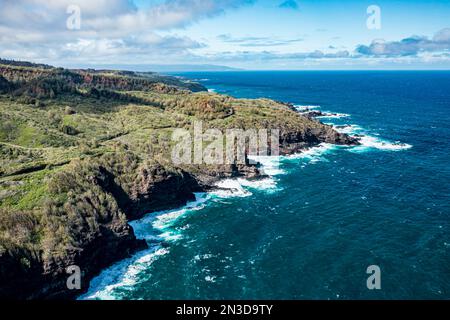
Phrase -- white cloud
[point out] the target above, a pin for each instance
(251, 41)
(411, 46)
(118, 31)
(37, 28)
(110, 16)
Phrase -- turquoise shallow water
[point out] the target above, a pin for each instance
(312, 229)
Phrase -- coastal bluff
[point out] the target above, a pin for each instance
(84, 152)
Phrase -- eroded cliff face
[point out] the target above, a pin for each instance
(100, 201)
(87, 223)
(296, 141)
(41, 275)
(69, 203)
(84, 227)
(156, 189)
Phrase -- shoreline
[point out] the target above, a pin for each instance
(236, 188)
(99, 195)
(125, 269)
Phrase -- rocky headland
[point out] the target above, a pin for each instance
(83, 152)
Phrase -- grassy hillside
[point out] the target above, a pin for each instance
(84, 151)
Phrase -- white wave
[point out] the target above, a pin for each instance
(121, 274)
(210, 278)
(203, 257)
(302, 108)
(314, 154)
(331, 115)
(230, 188)
(270, 165)
(347, 129)
(125, 272)
(212, 90)
(238, 187)
(260, 184)
(368, 141)
(166, 219)
(196, 80)
(371, 142)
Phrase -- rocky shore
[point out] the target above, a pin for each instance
(69, 202)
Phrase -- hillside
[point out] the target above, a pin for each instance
(82, 152)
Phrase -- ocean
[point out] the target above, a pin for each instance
(312, 229)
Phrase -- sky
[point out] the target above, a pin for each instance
(247, 34)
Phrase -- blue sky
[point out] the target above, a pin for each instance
(249, 34)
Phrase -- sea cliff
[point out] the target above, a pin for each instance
(83, 152)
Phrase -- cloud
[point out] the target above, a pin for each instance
(412, 50)
(257, 41)
(111, 16)
(271, 56)
(137, 45)
(442, 36)
(168, 15)
(289, 4)
(411, 46)
(36, 29)
(119, 30)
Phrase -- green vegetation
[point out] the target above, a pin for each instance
(79, 149)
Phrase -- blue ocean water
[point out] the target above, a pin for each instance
(313, 228)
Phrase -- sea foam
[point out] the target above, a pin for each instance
(367, 140)
(270, 165)
(155, 228)
(302, 108)
(314, 154)
(331, 115)
(159, 227)
(370, 142)
(230, 188)
(122, 274)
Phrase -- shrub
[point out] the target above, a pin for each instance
(68, 110)
(69, 130)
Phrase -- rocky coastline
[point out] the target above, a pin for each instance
(92, 199)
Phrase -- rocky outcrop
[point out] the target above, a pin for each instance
(31, 275)
(115, 241)
(294, 142)
(82, 216)
(5, 86)
(157, 189)
(313, 114)
(99, 236)
(87, 230)
(153, 188)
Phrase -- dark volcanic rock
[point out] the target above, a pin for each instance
(294, 142)
(5, 86)
(154, 188)
(158, 189)
(45, 278)
(313, 114)
(116, 241)
(84, 219)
